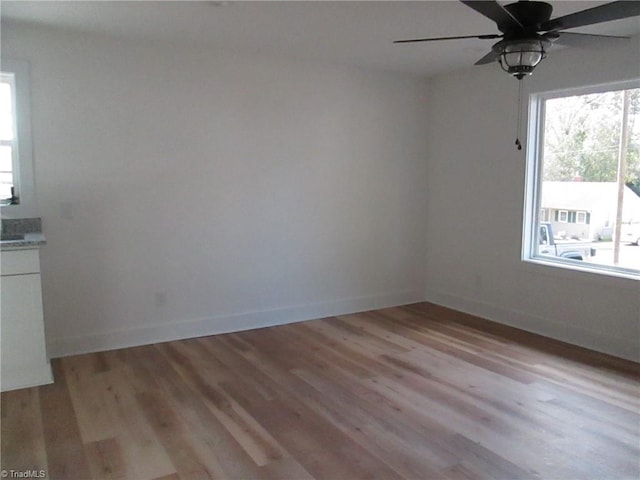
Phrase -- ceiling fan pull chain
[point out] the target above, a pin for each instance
(519, 119)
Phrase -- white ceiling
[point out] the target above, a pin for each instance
(347, 32)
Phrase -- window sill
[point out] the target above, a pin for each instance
(567, 269)
(17, 210)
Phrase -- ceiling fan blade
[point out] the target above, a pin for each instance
(488, 58)
(603, 13)
(435, 39)
(583, 40)
(494, 11)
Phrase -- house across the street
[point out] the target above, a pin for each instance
(586, 210)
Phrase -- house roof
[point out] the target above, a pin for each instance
(590, 197)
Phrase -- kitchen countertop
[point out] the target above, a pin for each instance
(29, 240)
(21, 233)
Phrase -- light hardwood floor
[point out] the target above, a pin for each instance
(415, 392)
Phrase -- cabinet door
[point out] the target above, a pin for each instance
(23, 355)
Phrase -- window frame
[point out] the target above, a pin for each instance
(533, 184)
(566, 216)
(23, 167)
(10, 79)
(545, 214)
(584, 220)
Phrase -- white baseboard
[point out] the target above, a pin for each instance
(148, 334)
(624, 348)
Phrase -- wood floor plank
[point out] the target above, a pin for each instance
(285, 468)
(258, 443)
(234, 361)
(412, 392)
(173, 476)
(409, 452)
(105, 459)
(224, 457)
(66, 456)
(171, 433)
(320, 447)
(24, 449)
(490, 463)
(93, 417)
(526, 341)
(143, 454)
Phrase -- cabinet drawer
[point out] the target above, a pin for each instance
(16, 262)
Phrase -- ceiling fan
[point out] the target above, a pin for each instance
(528, 30)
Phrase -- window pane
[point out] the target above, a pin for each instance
(6, 116)
(6, 126)
(6, 161)
(581, 167)
(6, 182)
(15, 116)
(5, 97)
(582, 217)
(563, 216)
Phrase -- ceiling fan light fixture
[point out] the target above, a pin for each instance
(520, 57)
(527, 30)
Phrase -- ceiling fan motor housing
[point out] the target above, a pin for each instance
(531, 15)
(522, 47)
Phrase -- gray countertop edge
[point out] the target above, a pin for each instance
(30, 240)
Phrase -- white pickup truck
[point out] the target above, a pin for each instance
(630, 232)
(572, 250)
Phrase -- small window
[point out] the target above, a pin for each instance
(16, 162)
(544, 215)
(563, 216)
(8, 140)
(581, 217)
(584, 152)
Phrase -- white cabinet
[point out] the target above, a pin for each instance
(23, 357)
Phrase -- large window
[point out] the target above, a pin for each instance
(16, 162)
(583, 185)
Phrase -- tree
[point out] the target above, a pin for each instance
(582, 135)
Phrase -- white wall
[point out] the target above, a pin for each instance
(475, 210)
(191, 192)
